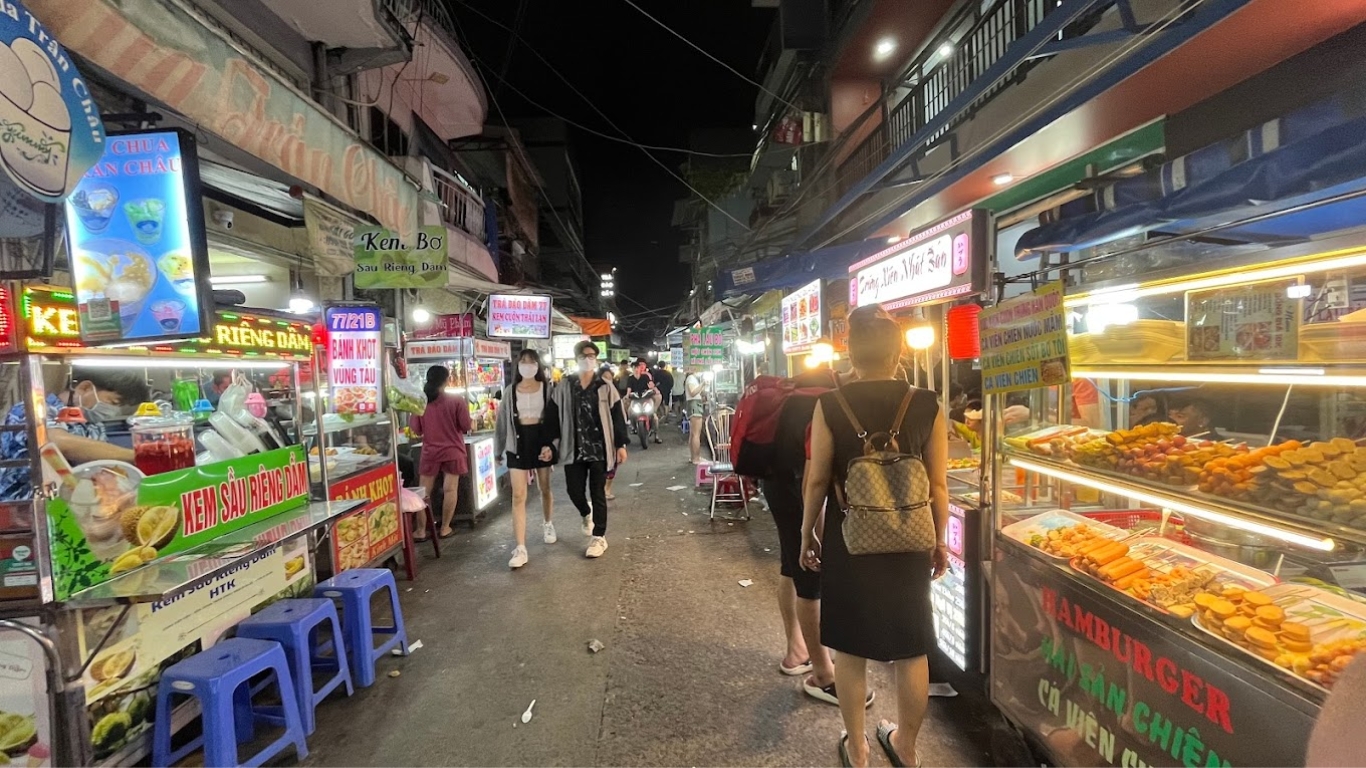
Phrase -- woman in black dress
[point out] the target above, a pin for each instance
(875, 606)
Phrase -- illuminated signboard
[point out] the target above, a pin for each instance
(949, 595)
(519, 317)
(802, 317)
(944, 261)
(49, 318)
(354, 351)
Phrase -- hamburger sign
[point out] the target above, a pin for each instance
(50, 128)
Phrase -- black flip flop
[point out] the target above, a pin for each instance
(416, 540)
(884, 737)
(446, 535)
(845, 762)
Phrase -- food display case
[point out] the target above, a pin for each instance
(1183, 558)
(128, 548)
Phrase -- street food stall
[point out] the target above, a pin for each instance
(1185, 560)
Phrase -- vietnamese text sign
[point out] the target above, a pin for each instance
(936, 264)
(519, 317)
(485, 473)
(949, 594)
(704, 347)
(485, 349)
(386, 260)
(676, 358)
(354, 355)
(447, 327)
(135, 229)
(1243, 322)
(437, 349)
(802, 317)
(1024, 342)
(369, 532)
(331, 237)
(563, 345)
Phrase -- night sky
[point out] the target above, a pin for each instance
(651, 84)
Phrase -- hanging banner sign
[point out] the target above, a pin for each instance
(331, 237)
(353, 358)
(437, 349)
(937, 264)
(492, 350)
(1024, 342)
(447, 327)
(386, 260)
(563, 346)
(705, 346)
(519, 317)
(50, 128)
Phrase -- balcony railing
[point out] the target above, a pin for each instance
(461, 207)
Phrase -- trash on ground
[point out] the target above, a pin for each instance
(766, 549)
(636, 485)
(746, 582)
(413, 646)
(394, 673)
(675, 487)
(526, 716)
(595, 645)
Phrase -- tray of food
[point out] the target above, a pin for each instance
(1300, 629)
(1054, 442)
(1062, 534)
(965, 463)
(1165, 574)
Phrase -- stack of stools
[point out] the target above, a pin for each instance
(288, 640)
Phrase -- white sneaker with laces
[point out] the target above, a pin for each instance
(587, 525)
(596, 547)
(518, 558)
(550, 537)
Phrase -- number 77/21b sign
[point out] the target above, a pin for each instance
(355, 353)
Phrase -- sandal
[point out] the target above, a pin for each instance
(801, 669)
(419, 539)
(884, 737)
(447, 534)
(845, 762)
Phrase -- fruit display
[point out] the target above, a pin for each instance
(1154, 452)
(1323, 480)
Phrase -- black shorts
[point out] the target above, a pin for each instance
(530, 441)
(784, 495)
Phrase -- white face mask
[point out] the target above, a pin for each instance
(586, 365)
(100, 410)
(528, 370)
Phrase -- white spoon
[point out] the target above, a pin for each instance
(526, 716)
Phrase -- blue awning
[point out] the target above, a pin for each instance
(796, 269)
(1310, 155)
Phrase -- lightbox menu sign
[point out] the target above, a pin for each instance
(937, 264)
(492, 350)
(354, 356)
(519, 317)
(802, 313)
(135, 228)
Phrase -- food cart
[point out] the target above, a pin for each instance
(353, 440)
(1179, 578)
(122, 568)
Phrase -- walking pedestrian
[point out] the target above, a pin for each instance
(442, 428)
(695, 391)
(528, 434)
(593, 439)
(875, 606)
(609, 375)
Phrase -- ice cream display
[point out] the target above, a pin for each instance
(145, 216)
(178, 268)
(95, 206)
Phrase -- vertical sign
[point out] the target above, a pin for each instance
(485, 475)
(354, 355)
(1024, 342)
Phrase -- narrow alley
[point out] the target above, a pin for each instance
(688, 675)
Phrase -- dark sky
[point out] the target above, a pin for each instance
(651, 84)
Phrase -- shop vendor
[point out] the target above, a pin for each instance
(102, 395)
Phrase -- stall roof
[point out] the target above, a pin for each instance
(251, 190)
(796, 269)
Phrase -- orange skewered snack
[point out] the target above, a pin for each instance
(1069, 541)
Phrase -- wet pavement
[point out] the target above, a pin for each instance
(688, 675)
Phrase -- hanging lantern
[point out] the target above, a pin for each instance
(965, 339)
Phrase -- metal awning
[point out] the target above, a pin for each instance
(795, 270)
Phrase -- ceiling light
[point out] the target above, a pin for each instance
(884, 48)
(946, 50)
(1302, 291)
(299, 302)
(421, 315)
(1001, 179)
(219, 281)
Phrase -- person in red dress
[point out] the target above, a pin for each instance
(442, 427)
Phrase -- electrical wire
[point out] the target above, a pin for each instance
(704, 52)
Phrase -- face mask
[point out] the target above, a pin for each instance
(102, 411)
(528, 370)
(586, 365)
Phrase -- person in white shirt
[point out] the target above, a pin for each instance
(528, 437)
(695, 392)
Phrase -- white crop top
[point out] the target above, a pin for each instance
(530, 405)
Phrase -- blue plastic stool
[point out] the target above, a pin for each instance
(299, 626)
(220, 678)
(355, 588)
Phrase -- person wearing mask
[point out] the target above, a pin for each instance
(442, 427)
(609, 375)
(528, 434)
(695, 404)
(643, 383)
(103, 395)
(875, 606)
(593, 439)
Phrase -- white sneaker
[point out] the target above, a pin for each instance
(596, 547)
(518, 558)
(550, 537)
(587, 525)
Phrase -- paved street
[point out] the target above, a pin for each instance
(688, 676)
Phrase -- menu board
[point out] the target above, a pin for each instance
(704, 347)
(1024, 342)
(563, 346)
(372, 530)
(1246, 322)
(485, 473)
(949, 595)
(139, 253)
(354, 354)
(519, 317)
(802, 324)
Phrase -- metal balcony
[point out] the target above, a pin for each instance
(461, 207)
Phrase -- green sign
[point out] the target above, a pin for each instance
(108, 520)
(705, 346)
(385, 260)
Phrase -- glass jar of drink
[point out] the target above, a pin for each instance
(162, 443)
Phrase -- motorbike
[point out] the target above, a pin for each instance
(642, 410)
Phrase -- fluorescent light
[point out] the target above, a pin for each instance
(946, 50)
(218, 281)
(1179, 505)
(1302, 291)
(1102, 316)
(1001, 179)
(1282, 376)
(203, 361)
(884, 48)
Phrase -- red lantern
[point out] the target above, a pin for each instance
(965, 339)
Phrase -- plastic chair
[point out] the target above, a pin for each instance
(355, 588)
(220, 679)
(298, 626)
(722, 468)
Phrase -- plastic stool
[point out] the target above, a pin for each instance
(298, 625)
(355, 588)
(219, 677)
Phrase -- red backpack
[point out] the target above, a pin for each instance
(755, 445)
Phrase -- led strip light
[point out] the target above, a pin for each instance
(1187, 508)
(1308, 377)
(101, 361)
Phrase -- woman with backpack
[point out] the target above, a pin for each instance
(877, 555)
